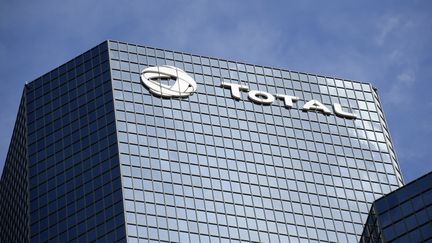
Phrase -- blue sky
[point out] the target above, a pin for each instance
(387, 43)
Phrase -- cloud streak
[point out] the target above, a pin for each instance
(400, 92)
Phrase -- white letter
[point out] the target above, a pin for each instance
(288, 99)
(261, 97)
(235, 89)
(338, 111)
(315, 105)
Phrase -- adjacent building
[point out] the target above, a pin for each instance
(224, 152)
(404, 215)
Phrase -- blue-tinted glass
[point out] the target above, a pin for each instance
(388, 233)
(75, 163)
(231, 152)
(417, 203)
(426, 231)
(411, 222)
(422, 216)
(408, 220)
(415, 236)
(427, 196)
(407, 208)
(385, 219)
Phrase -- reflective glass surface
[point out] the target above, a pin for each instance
(404, 215)
(211, 168)
(74, 175)
(14, 183)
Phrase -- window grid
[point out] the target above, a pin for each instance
(247, 155)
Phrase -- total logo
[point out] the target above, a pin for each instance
(185, 86)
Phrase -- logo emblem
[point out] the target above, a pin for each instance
(184, 84)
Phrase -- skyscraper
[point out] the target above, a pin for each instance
(127, 142)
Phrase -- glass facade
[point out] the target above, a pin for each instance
(71, 165)
(105, 160)
(75, 188)
(14, 184)
(210, 168)
(404, 215)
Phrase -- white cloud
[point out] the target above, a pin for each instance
(406, 78)
(398, 93)
(385, 27)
